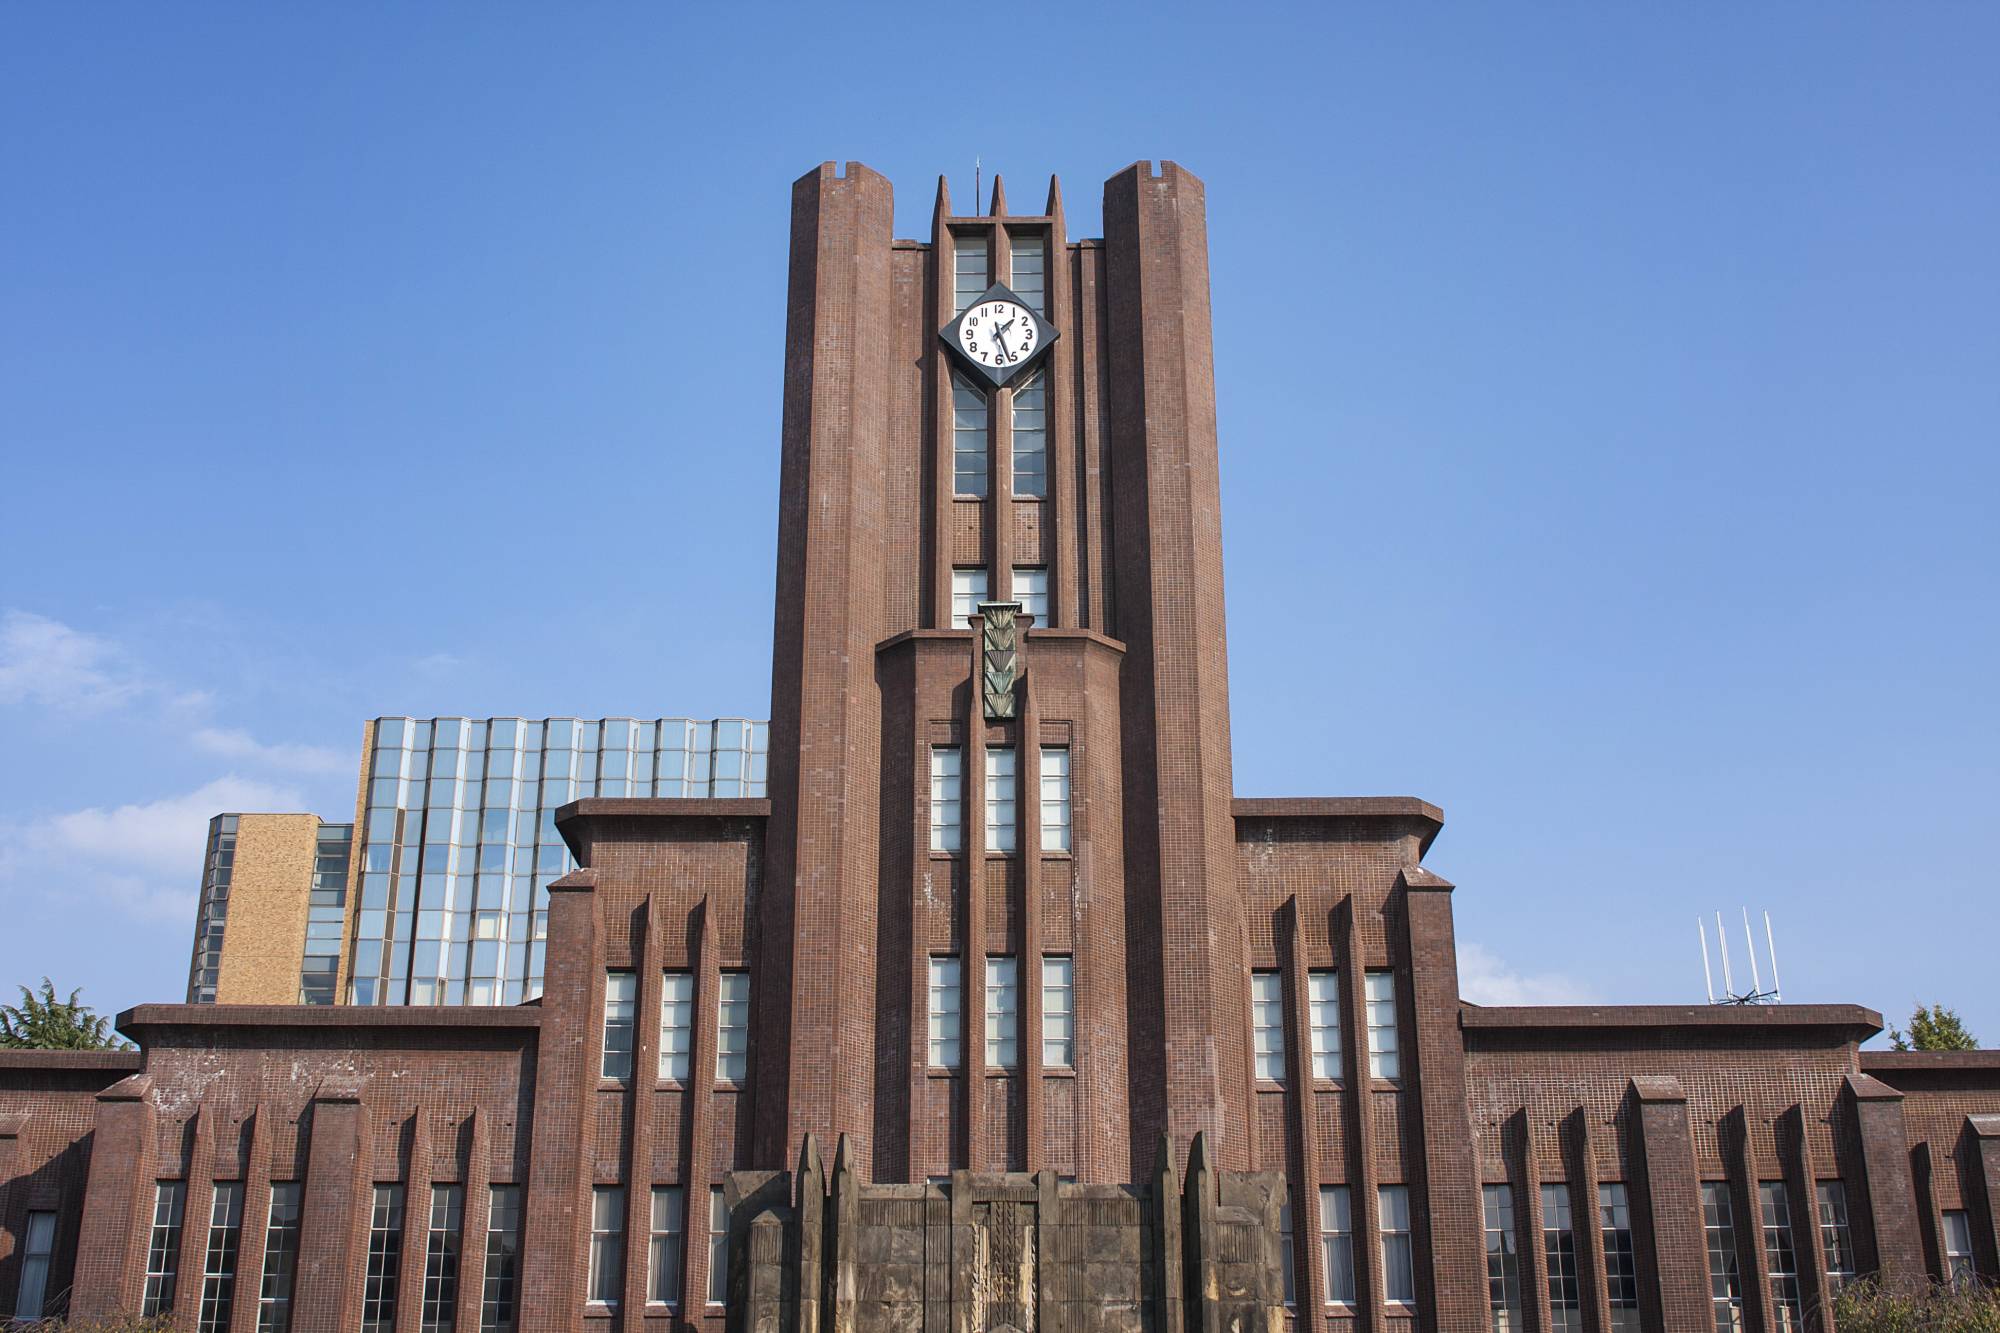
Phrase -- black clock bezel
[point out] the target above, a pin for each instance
(1000, 376)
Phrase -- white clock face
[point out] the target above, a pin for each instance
(997, 333)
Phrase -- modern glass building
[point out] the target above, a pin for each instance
(273, 910)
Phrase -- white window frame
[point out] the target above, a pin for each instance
(665, 1244)
(38, 1245)
(968, 283)
(1058, 1011)
(1029, 400)
(1385, 1060)
(718, 1247)
(1336, 1243)
(947, 1011)
(1029, 585)
(1956, 1233)
(607, 1245)
(1003, 1012)
(969, 587)
(732, 1027)
(947, 813)
(1323, 1013)
(1056, 814)
(676, 1026)
(621, 1029)
(1399, 1263)
(1001, 798)
(1267, 1026)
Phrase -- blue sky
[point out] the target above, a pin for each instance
(1608, 400)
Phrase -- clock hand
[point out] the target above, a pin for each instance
(1000, 336)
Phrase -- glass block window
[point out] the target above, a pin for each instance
(1058, 1012)
(1958, 1268)
(946, 1009)
(1621, 1265)
(1384, 1058)
(1559, 1249)
(38, 1243)
(1323, 1012)
(497, 1309)
(676, 1025)
(968, 590)
(1000, 788)
(1836, 1238)
(385, 1260)
(441, 1242)
(1336, 1243)
(969, 269)
(1399, 1276)
(218, 1274)
(621, 1006)
(281, 1257)
(1267, 1025)
(1031, 590)
(732, 1021)
(606, 1277)
(947, 784)
(1503, 1260)
(718, 1248)
(1725, 1284)
(1055, 798)
(663, 1255)
(1003, 1013)
(1787, 1303)
(1028, 259)
(971, 424)
(1031, 436)
(163, 1246)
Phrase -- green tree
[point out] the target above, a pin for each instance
(44, 1023)
(1933, 1028)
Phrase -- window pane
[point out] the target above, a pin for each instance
(1000, 788)
(1503, 1264)
(663, 1269)
(1323, 1004)
(1267, 1025)
(1028, 260)
(944, 1013)
(1336, 1242)
(1384, 1059)
(946, 788)
(732, 1016)
(718, 1248)
(1055, 799)
(1399, 1279)
(503, 1256)
(1559, 1252)
(1031, 436)
(1621, 1268)
(621, 994)
(1725, 1287)
(968, 590)
(1031, 590)
(969, 269)
(1835, 1237)
(38, 1243)
(1003, 1013)
(385, 1261)
(676, 1024)
(607, 1244)
(1058, 1018)
(971, 419)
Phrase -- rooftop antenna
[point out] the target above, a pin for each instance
(977, 207)
(1730, 995)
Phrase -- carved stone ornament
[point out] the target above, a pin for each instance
(999, 662)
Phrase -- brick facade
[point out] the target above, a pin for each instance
(975, 1196)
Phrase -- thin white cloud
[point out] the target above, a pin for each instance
(231, 743)
(48, 664)
(1486, 978)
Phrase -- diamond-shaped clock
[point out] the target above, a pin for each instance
(999, 335)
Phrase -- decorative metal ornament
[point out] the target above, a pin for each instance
(998, 658)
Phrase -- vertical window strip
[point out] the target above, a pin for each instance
(663, 1264)
(1384, 1056)
(606, 1277)
(1775, 1208)
(38, 1243)
(1030, 418)
(621, 1002)
(732, 1023)
(163, 1246)
(969, 269)
(441, 1255)
(1958, 1266)
(1000, 788)
(676, 1025)
(218, 1275)
(1725, 1286)
(1336, 1243)
(1323, 1013)
(1503, 1260)
(1286, 1259)
(1559, 1249)
(385, 1260)
(945, 991)
(1267, 1025)
(1621, 1265)
(1028, 262)
(281, 1258)
(971, 426)
(1003, 1013)
(497, 1311)
(718, 1247)
(1055, 798)
(947, 787)
(968, 590)
(1836, 1238)
(1031, 590)
(1399, 1276)
(1058, 1012)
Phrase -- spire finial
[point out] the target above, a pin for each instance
(999, 209)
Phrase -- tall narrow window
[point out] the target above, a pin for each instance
(281, 1258)
(969, 270)
(1055, 798)
(37, 1244)
(968, 590)
(1835, 1237)
(1031, 436)
(1336, 1243)
(718, 1248)
(1399, 1274)
(999, 798)
(1384, 1056)
(947, 778)
(1621, 1266)
(385, 1260)
(1028, 260)
(1003, 1013)
(1958, 1268)
(1286, 1259)
(1031, 590)
(945, 1013)
(1787, 1306)
(676, 1025)
(663, 1256)
(218, 1274)
(1323, 1011)
(1058, 1012)
(607, 1244)
(163, 1246)
(1559, 1249)
(1503, 1260)
(1725, 1286)
(621, 1003)
(732, 1028)
(497, 1311)
(1267, 1025)
(441, 1258)
(971, 416)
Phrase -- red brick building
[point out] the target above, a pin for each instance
(1004, 934)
